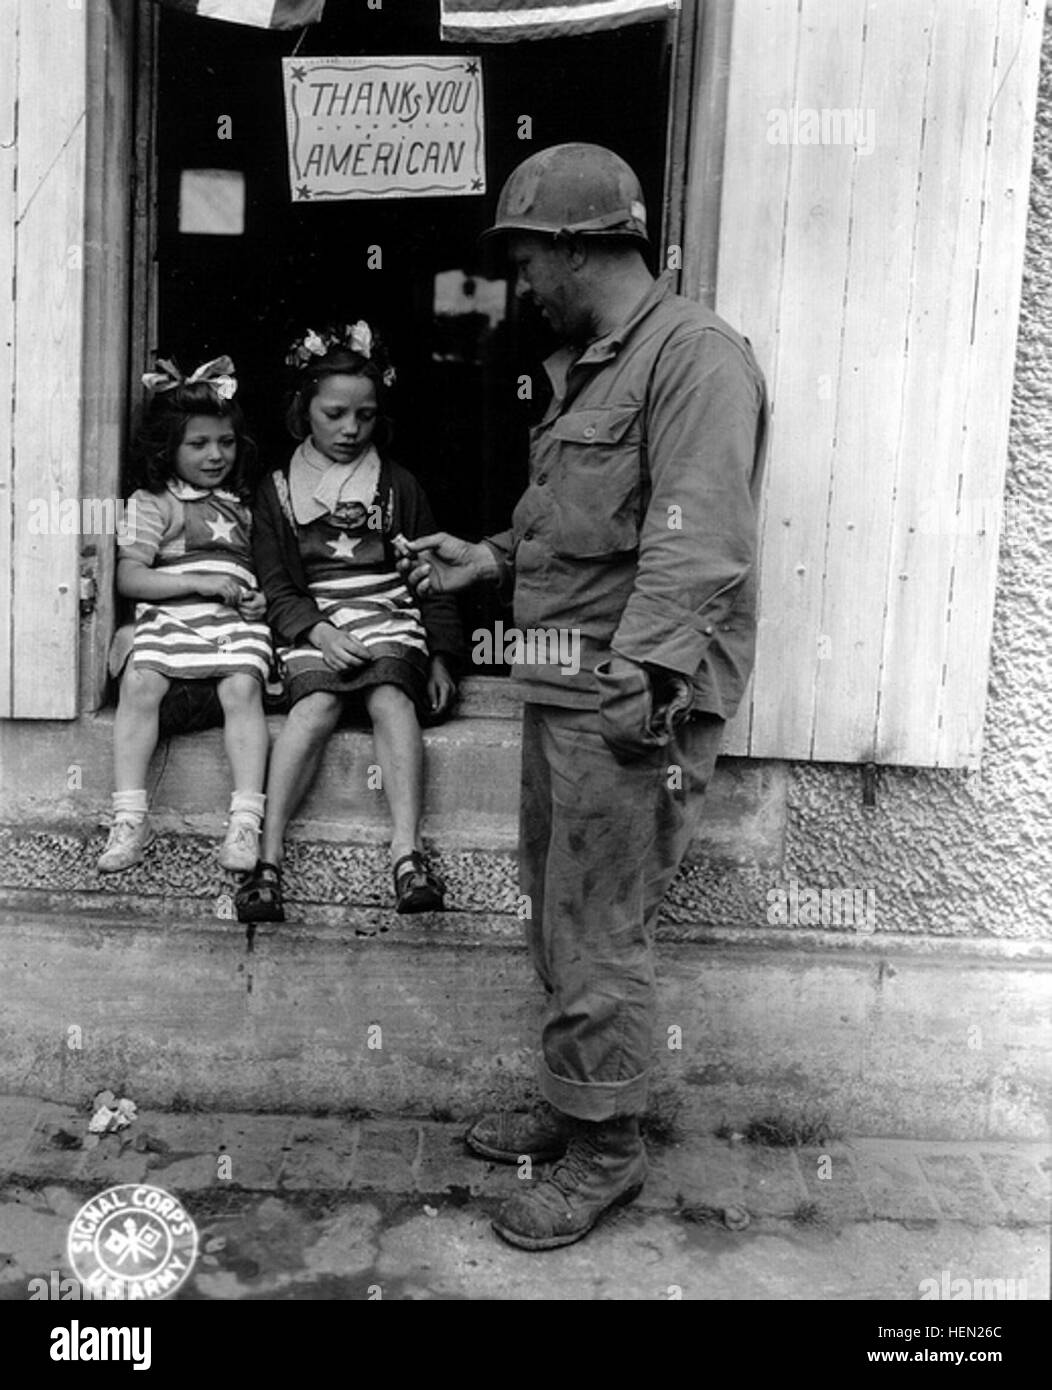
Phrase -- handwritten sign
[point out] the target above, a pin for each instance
(384, 127)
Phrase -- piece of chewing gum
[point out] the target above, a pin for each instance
(401, 546)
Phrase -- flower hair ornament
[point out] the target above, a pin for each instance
(353, 337)
(218, 373)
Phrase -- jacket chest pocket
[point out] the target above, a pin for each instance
(596, 482)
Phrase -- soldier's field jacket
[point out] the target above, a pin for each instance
(638, 528)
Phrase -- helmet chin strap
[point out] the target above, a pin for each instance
(620, 217)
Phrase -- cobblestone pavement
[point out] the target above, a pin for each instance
(337, 1206)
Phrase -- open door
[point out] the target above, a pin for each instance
(457, 339)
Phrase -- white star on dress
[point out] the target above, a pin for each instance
(343, 547)
(221, 530)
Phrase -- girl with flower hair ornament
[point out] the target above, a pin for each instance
(350, 634)
(185, 557)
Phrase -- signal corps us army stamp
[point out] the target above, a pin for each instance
(132, 1242)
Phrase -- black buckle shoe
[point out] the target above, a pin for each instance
(417, 888)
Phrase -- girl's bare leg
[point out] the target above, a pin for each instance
(400, 753)
(135, 726)
(245, 734)
(293, 763)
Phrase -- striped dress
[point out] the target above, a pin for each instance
(352, 580)
(188, 530)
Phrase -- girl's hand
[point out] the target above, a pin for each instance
(252, 605)
(441, 687)
(340, 651)
(221, 586)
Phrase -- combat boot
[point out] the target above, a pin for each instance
(505, 1136)
(604, 1166)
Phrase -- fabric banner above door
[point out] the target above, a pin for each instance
(505, 21)
(261, 14)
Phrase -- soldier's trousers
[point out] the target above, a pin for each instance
(599, 844)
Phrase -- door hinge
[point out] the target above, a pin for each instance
(89, 593)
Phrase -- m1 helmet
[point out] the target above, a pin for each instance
(572, 189)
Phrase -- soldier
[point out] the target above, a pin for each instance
(637, 534)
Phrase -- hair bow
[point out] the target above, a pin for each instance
(361, 338)
(218, 373)
(355, 337)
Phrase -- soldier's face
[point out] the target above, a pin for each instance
(544, 276)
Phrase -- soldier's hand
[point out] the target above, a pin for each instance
(442, 564)
(625, 709)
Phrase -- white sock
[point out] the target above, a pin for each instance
(130, 806)
(249, 805)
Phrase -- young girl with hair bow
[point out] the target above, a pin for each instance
(185, 556)
(349, 633)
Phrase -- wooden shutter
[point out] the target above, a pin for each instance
(42, 189)
(112, 122)
(881, 293)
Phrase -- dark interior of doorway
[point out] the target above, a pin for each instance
(459, 423)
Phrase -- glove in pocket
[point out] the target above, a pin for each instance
(625, 710)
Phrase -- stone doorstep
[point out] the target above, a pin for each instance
(704, 1178)
(58, 778)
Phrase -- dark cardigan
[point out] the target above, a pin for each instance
(292, 612)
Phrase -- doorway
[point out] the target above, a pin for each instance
(459, 340)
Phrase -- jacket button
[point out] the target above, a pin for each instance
(589, 432)
(708, 632)
(542, 478)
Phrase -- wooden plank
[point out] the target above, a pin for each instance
(869, 384)
(705, 153)
(810, 325)
(48, 335)
(989, 373)
(8, 174)
(763, 59)
(683, 31)
(143, 345)
(918, 585)
(764, 41)
(107, 269)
